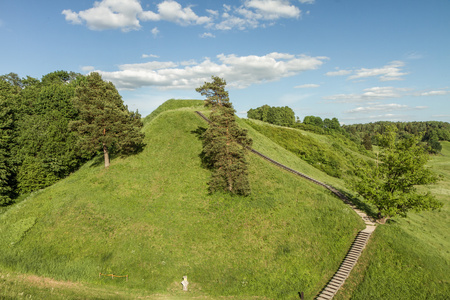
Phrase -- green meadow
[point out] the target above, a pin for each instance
(149, 216)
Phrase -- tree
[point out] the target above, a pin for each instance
(224, 142)
(105, 122)
(391, 184)
(282, 116)
(367, 142)
(44, 149)
(8, 93)
(313, 120)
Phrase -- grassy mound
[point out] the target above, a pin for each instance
(149, 216)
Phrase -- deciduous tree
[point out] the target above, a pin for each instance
(391, 184)
(7, 94)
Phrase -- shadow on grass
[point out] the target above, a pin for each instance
(360, 204)
(206, 162)
(99, 158)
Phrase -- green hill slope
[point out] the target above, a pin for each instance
(149, 216)
(409, 258)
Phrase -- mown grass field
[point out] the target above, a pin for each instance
(149, 216)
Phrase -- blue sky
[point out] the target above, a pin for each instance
(358, 60)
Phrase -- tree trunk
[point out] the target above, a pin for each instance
(382, 219)
(106, 155)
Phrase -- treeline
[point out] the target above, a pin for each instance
(37, 147)
(282, 116)
(285, 116)
(430, 132)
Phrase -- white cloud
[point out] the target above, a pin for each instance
(379, 107)
(71, 16)
(306, 86)
(389, 72)
(213, 13)
(155, 31)
(108, 14)
(434, 93)
(339, 73)
(369, 94)
(272, 9)
(149, 56)
(207, 35)
(382, 93)
(87, 68)
(127, 14)
(239, 71)
(414, 55)
(173, 11)
(385, 117)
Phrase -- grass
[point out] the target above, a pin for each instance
(150, 216)
(408, 258)
(333, 154)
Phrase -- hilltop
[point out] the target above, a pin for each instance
(149, 216)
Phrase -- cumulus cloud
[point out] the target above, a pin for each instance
(128, 14)
(173, 11)
(272, 9)
(108, 14)
(239, 71)
(307, 86)
(389, 72)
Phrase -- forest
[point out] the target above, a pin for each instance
(45, 132)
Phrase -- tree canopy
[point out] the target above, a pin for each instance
(429, 132)
(104, 121)
(224, 142)
(41, 149)
(282, 116)
(391, 184)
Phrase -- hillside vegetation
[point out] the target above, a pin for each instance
(407, 258)
(149, 216)
(334, 154)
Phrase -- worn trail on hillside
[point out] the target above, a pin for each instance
(358, 244)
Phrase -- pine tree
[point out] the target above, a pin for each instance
(224, 142)
(105, 122)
